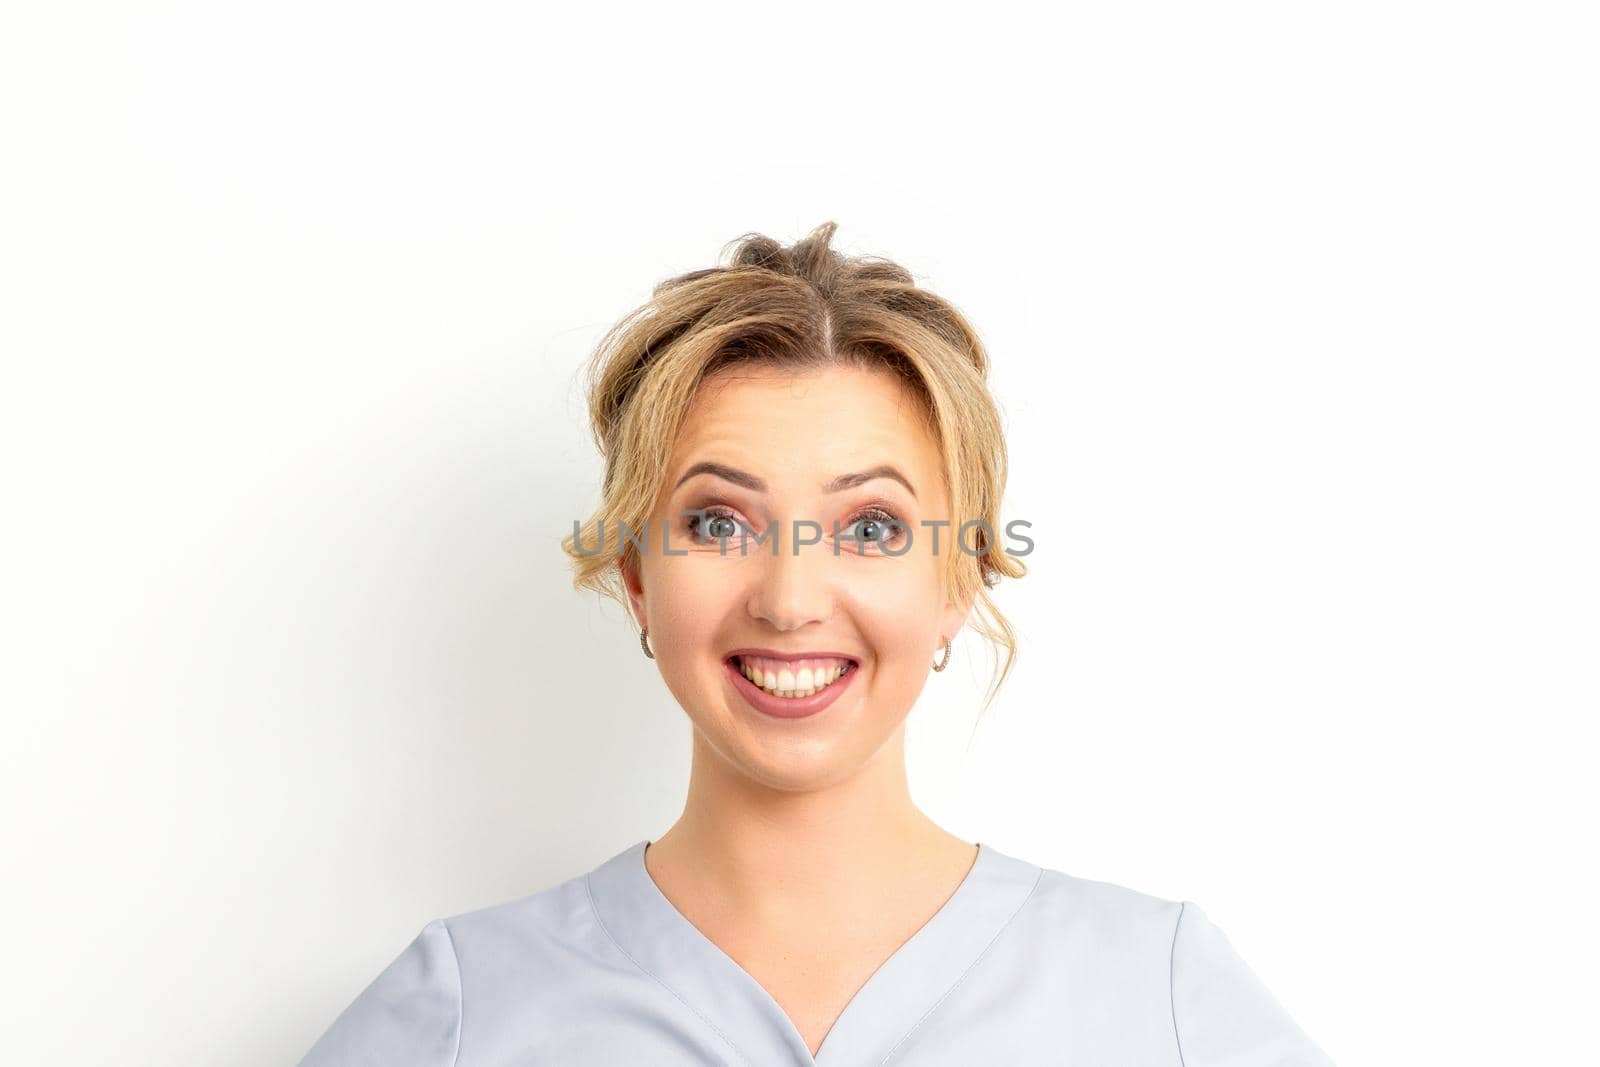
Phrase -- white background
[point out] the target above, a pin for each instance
(1293, 314)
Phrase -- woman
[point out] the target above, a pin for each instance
(783, 437)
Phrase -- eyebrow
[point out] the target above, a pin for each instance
(754, 484)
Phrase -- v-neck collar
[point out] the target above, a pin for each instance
(903, 991)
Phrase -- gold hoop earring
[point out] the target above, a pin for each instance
(644, 641)
(945, 662)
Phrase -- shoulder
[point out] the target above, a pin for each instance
(526, 922)
(1103, 913)
(1072, 928)
(408, 1016)
(411, 1014)
(1221, 1013)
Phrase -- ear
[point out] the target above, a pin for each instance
(633, 582)
(953, 619)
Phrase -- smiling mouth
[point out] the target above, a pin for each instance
(793, 679)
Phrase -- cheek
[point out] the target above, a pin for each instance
(697, 611)
(898, 611)
(688, 601)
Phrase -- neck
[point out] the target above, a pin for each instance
(757, 848)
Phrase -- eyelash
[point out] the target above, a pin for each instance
(870, 513)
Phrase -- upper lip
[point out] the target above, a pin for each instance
(772, 653)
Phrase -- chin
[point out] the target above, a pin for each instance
(800, 764)
(796, 774)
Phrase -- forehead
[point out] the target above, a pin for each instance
(804, 427)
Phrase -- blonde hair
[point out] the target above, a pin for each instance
(803, 307)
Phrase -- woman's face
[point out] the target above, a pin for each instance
(784, 445)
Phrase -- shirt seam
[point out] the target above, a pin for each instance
(455, 959)
(969, 969)
(594, 908)
(1172, 1000)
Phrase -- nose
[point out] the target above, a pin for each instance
(793, 589)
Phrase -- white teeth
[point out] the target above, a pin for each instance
(790, 683)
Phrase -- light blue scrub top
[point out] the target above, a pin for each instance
(1022, 965)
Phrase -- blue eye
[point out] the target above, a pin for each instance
(877, 527)
(712, 524)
